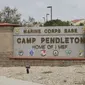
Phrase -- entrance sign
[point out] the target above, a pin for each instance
(46, 42)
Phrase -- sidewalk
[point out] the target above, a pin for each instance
(11, 81)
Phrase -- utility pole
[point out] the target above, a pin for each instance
(50, 11)
(44, 19)
(47, 17)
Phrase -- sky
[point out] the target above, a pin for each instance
(62, 9)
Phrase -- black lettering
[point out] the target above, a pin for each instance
(19, 40)
(66, 40)
(54, 31)
(62, 40)
(32, 31)
(49, 46)
(65, 30)
(23, 41)
(76, 31)
(39, 31)
(68, 30)
(52, 40)
(47, 40)
(72, 30)
(71, 39)
(33, 40)
(57, 40)
(76, 40)
(28, 40)
(38, 46)
(82, 40)
(25, 31)
(45, 30)
(59, 31)
(62, 46)
(42, 40)
(49, 31)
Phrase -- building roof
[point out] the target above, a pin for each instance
(77, 20)
(8, 24)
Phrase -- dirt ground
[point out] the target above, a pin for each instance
(71, 75)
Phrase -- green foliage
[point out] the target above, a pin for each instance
(9, 15)
(34, 23)
(41, 25)
(31, 19)
(81, 24)
(57, 23)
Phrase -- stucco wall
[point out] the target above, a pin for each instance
(6, 39)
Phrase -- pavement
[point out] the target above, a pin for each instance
(10, 81)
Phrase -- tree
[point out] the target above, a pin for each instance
(9, 15)
(57, 22)
(31, 19)
(29, 23)
(24, 23)
(0, 17)
(81, 24)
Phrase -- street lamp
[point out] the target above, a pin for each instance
(43, 18)
(50, 11)
(47, 17)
